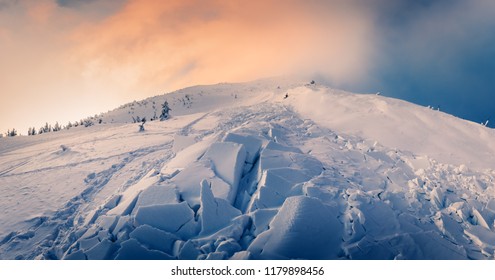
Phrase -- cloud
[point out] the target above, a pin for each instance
(115, 51)
(4, 4)
(72, 3)
(437, 53)
(160, 45)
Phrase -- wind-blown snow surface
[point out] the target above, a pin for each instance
(240, 172)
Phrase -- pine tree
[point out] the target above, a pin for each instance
(165, 111)
(46, 128)
(88, 123)
(141, 126)
(57, 127)
(12, 133)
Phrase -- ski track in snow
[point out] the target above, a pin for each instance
(262, 182)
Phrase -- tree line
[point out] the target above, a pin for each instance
(97, 119)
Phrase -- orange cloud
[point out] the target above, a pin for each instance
(158, 45)
(114, 53)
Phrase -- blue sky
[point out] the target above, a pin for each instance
(437, 53)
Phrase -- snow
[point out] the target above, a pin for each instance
(214, 213)
(303, 228)
(173, 218)
(154, 238)
(228, 162)
(132, 250)
(239, 172)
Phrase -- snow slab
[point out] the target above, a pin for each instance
(189, 179)
(157, 194)
(131, 249)
(214, 213)
(304, 228)
(154, 238)
(129, 196)
(250, 143)
(173, 218)
(228, 161)
(185, 157)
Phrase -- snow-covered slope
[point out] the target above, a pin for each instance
(241, 172)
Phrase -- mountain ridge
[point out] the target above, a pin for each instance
(276, 157)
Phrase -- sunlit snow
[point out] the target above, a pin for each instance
(271, 169)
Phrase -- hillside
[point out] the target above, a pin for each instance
(271, 169)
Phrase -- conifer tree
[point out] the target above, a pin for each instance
(165, 111)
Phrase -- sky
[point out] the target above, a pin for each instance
(63, 60)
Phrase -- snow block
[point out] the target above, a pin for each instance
(77, 255)
(173, 218)
(242, 255)
(262, 218)
(157, 195)
(107, 222)
(273, 159)
(102, 251)
(275, 185)
(185, 157)
(251, 144)
(449, 227)
(270, 159)
(189, 251)
(437, 198)
(435, 247)
(481, 236)
(216, 256)
(228, 160)
(478, 219)
(234, 230)
(132, 250)
(188, 180)
(369, 249)
(154, 238)
(491, 205)
(123, 222)
(229, 247)
(215, 213)
(379, 219)
(112, 202)
(129, 197)
(303, 228)
(86, 244)
(281, 148)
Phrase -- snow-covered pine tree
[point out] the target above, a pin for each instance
(57, 127)
(165, 111)
(12, 133)
(88, 123)
(141, 126)
(46, 128)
